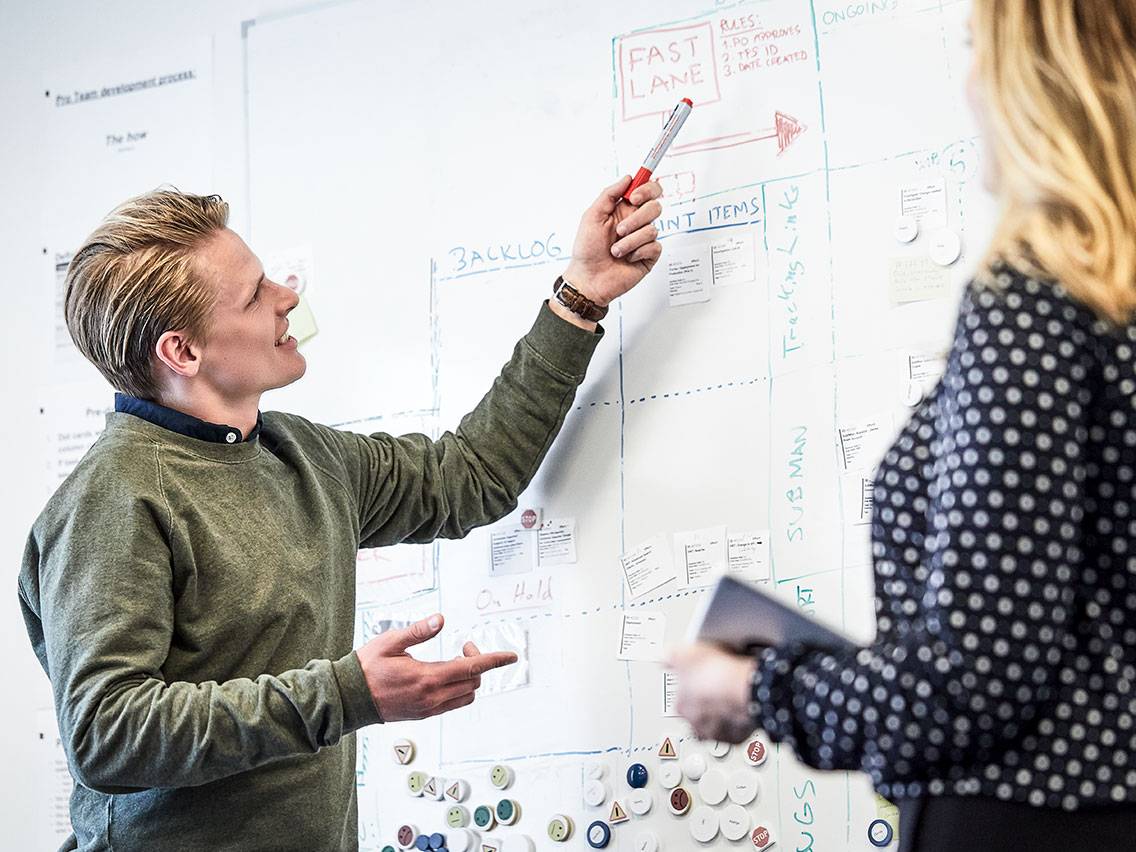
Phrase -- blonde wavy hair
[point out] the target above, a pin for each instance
(135, 278)
(1059, 82)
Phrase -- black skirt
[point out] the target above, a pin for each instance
(954, 823)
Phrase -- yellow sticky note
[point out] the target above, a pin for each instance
(302, 323)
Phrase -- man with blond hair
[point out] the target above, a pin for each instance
(189, 589)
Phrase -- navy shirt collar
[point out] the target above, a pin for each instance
(182, 423)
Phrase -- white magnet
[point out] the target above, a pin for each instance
(460, 840)
(703, 824)
(735, 822)
(669, 775)
(719, 749)
(595, 771)
(457, 790)
(518, 843)
(906, 228)
(595, 793)
(646, 841)
(639, 801)
(435, 789)
(694, 765)
(744, 786)
(712, 787)
(946, 247)
(403, 751)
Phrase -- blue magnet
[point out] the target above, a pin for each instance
(422, 843)
(437, 841)
(880, 832)
(637, 775)
(599, 834)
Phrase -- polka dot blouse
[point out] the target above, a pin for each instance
(1004, 544)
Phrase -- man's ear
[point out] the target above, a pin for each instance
(179, 353)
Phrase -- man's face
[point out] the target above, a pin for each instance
(242, 355)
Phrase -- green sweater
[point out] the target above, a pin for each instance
(193, 605)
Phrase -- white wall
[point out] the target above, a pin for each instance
(34, 38)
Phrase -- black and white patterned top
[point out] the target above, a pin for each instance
(1004, 543)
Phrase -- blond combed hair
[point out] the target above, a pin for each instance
(1059, 81)
(135, 278)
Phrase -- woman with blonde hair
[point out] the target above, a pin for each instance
(997, 705)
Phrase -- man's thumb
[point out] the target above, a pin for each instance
(417, 633)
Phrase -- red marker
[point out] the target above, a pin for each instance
(670, 131)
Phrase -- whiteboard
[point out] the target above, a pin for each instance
(434, 159)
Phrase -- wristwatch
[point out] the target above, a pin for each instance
(577, 302)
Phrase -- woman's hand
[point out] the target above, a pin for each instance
(714, 691)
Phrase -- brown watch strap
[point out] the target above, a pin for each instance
(577, 302)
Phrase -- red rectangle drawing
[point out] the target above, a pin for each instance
(658, 67)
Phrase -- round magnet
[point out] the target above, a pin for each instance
(734, 822)
(880, 832)
(761, 837)
(945, 248)
(639, 801)
(403, 751)
(437, 840)
(756, 752)
(679, 801)
(595, 771)
(743, 786)
(507, 811)
(518, 843)
(457, 817)
(703, 824)
(712, 787)
(461, 840)
(434, 789)
(422, 843)
(457, 790)
(415, 782)
(670, 776)
(405, 836)
(501, 776)
(484, 818)
(646, 841)
(637, 775)
(388, 849)
(694, 765)
(719, 749)
(595, 793)
(906, 228)
(599, 834)
(559, 828)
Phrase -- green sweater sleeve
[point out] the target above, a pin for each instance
(411, 488)
(97, 594)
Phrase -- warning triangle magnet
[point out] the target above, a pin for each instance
(618, 814)
(667, 750)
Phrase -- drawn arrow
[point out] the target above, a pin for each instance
(785, 130)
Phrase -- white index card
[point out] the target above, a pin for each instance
(925, 201)
(511, 551)
(688, 274)
(556, 542)
(670, 693)
(749, 555)
(701, 555)
(733, 259)
(641, 636)
(862, 444)
(647, 567)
